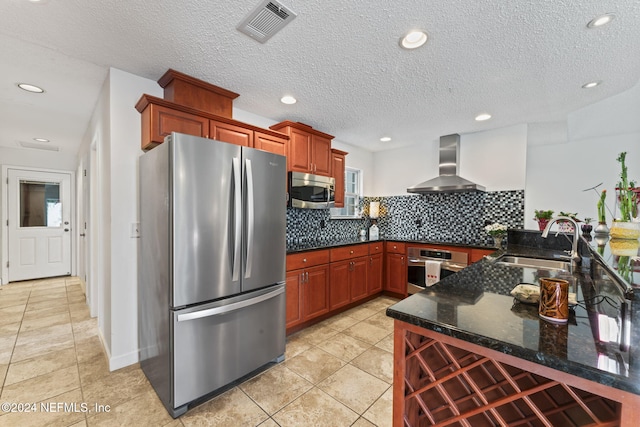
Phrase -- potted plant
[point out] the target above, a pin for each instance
(601, 228)
(566, 226)
(497, 231)
(543, 218)
(623, 227)
(586, 227)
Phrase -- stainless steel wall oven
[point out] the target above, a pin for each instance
(450, 262)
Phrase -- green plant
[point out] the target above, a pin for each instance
(588, 220)
(625, 191)
(540, 214)
(602, 219)
(571, 215)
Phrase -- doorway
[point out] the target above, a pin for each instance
(39, 219)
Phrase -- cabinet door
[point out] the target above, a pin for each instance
(477, 254)
(231, 133)
(270, 143)
(339, 294)
(374, 275)
(315, 292)
(337, 171)
(166, 120)
(358, 278)
(396, 273)
(321, 155)
(294, 312)
(299, 157)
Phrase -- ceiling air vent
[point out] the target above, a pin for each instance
(38, 146)
(265, 20)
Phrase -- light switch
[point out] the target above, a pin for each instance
(135, 230)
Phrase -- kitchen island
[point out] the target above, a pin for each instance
(466, 353)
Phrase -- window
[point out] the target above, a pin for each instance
(352, 195)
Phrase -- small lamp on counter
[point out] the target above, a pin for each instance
(374, 212)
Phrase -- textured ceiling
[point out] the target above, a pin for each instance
(522, 61)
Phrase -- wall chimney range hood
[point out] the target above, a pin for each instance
(448, 181)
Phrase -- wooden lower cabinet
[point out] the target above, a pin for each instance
(348, 282)
(307, 294)
(294, 302)
(476, 255)
(374, 274)
(339, 294)
(396, 268)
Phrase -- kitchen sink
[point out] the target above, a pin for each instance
(547, 264)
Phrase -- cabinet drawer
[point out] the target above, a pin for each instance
(395, 247)
(376, 248)
(347, 252)
(307, 259)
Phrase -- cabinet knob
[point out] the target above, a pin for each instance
(350, 251)
(304, 260)
(395, 247)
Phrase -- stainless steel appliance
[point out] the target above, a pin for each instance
(310, 191)
(450, 262)
(448, 181)
(211, 292)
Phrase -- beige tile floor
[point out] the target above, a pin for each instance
(336, 373)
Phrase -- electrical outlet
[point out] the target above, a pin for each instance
(135, 230)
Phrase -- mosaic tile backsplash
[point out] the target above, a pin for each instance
(446, 217)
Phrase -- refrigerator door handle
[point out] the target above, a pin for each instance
(250, 218)
(230, 307)
(237, 218)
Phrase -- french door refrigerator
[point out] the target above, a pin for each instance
(211, 284)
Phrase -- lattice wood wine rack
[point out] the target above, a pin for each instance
(439, 383)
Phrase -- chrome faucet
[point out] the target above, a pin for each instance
(575, 257)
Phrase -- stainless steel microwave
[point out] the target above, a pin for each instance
(308, 191)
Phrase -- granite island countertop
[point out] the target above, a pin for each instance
(601, 341)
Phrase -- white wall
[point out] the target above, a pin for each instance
(558, 173)
(495, 159)
(115, 131)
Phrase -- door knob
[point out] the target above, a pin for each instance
(66, 229)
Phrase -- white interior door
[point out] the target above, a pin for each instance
(39, 208)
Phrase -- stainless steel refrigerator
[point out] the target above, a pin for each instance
(211, 275)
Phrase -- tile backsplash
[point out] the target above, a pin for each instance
(447, 217)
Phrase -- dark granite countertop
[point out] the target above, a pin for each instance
(302, 245)
(600, 343)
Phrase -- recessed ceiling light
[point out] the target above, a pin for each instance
(601, 20)
(288, 100)
(30, 88)
(482, 117)
(41, 139)
(591, 84)
(413, 40)
(385, 139)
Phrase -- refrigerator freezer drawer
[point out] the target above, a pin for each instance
(221, 342)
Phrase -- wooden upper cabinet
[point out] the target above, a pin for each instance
(338, 161)
(309, 149)
(270, 143)
(232, 134)
(161, 117)
(191, 92)
(321, 155)
(299, 151)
